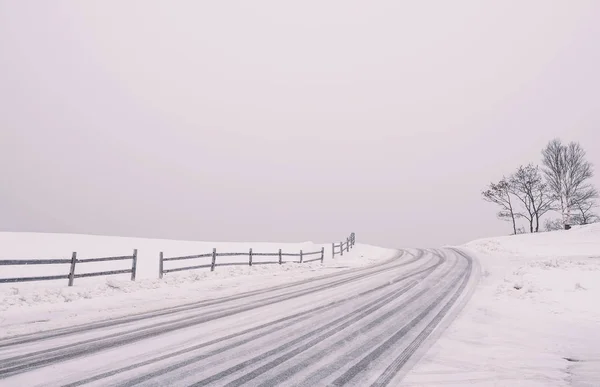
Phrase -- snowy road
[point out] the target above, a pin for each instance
(358, 327)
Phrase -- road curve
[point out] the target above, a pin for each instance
(360, 327)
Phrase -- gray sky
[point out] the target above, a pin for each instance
(274, 121)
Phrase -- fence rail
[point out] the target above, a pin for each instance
(71, 275)
(17, 262)
(188, 257)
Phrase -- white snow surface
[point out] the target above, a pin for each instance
(534, 319)
(33, 306)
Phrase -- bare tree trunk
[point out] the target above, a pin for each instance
(568, 218)
(512, 215)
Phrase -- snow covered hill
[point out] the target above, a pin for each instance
(533, 321)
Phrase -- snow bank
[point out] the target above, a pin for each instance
(31, 306)
(580, 241)
(533, 320)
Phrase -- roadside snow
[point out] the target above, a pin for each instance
(33, 306)
(533, 321)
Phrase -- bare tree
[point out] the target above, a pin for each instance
(528, 185)
(584, 206)
(567, 172)
(544, 202)
(526, 210)
(499, 193)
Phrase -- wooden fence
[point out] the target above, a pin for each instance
(339, 248)
(73, 262)
(249, 262)
(350, 241)
(303, 257)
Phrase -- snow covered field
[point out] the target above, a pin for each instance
(32, 306)
(534, 320)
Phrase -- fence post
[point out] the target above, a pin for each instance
(301, 258)
(134, 265)
(333, 250)
(214, 260)
(322, 254)
(160, 265)
(250, 257)
(280, 260)
(353, 239)
(348, 244)
(342, 249)
(72, 271)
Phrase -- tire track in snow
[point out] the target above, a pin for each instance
(401, 360)
(422, 272)
(391, 371)
(347, 357)
(372, 334)
(248, 378)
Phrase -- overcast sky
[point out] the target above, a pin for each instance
(285, 121)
